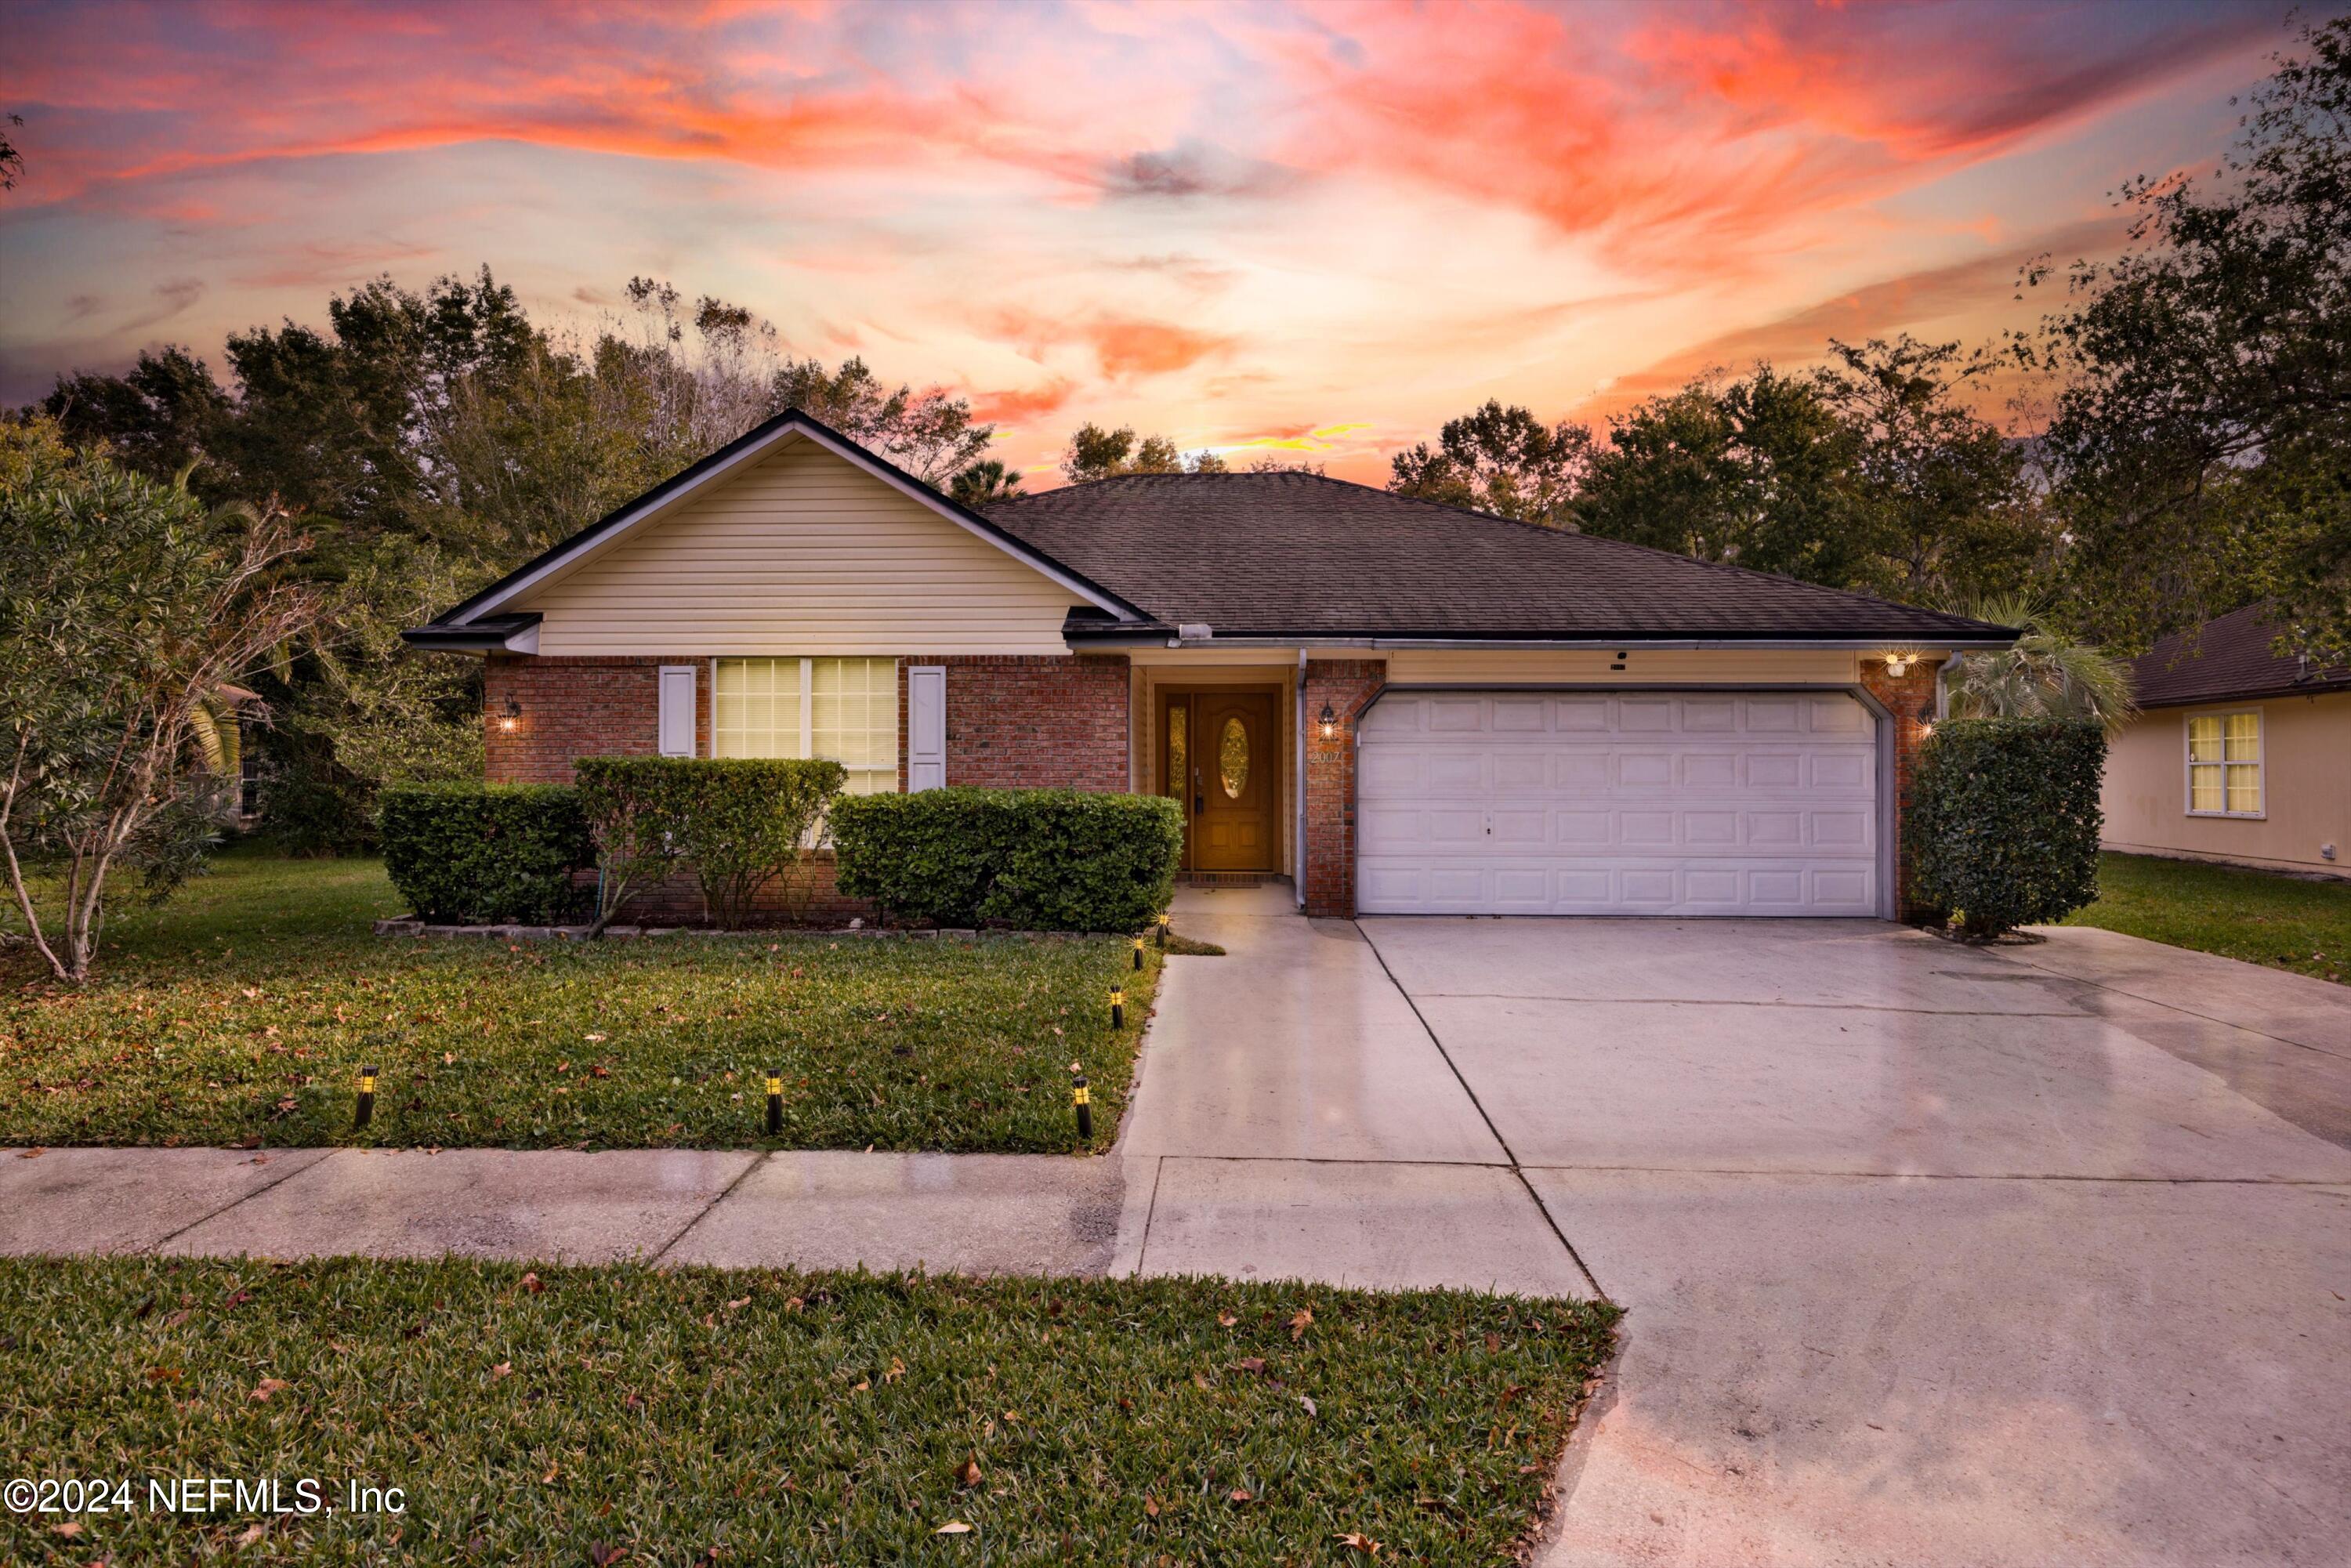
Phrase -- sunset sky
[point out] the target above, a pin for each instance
(1326, 227)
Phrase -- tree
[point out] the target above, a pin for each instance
(929, 434)
(2045, 674)
(2201, 443)
(985, 484)
(1499, 460)
(1944, 503)
(1759, 473)
(1095, 453)
(126, 609)
(12, 162)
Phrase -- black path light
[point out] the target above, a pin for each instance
(1080, 1098)
(1162, 924)
(365, 1111)
(1138, 953)
(775, 1104)
(1117, 1008)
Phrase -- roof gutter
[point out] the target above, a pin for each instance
(1159, 639)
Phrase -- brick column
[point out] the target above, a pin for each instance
(1348, 686)
(1905, 698)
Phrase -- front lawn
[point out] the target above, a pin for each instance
(2284, 921)
(243, 1010)
(582, 1416)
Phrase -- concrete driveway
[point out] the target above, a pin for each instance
(1933, 1255)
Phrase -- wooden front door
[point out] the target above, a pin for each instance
(1221, 758)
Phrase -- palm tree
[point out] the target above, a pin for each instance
(985, 482)
(2045, 674)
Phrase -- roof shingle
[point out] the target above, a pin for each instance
(1288, 554)
(2224, 660)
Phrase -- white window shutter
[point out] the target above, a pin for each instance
(926, 727)
(678, 710)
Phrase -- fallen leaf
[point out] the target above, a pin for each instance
(1250, 1364)
(251, 1533)
(1226, 1320)
(1240, 1494)
(1300, 1321)
(532, 1283)
(897, 1370)
(596, 1038)
(968, 1476)
(603, 1554)
(1356, 1540)
(953, 1527)
(738, 1303)
(30, 1153)
(176, 1319)
(503, 1369)
(163, 1374)
(1309, 1403)
(267, 1387)
(69, 1529)
(1493, 1343)
(861, 1385)
(1150, 1508)
(237, 1298)
(548, 1477)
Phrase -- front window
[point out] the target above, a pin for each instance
(2224, 764)
(844, 709)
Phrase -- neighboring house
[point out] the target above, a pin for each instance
(2237, 754)
(1402, 706)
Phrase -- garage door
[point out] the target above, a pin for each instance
(1589, 803)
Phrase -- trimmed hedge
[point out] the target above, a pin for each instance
(473, 854)
(1036, 860)
(738, 821)
(2003, 822)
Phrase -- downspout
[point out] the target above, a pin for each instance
(1298, 837)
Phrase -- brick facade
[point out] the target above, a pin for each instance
(1348, 686)
(1013, 722)
(1025, 721)
(1911, 700)
(575, 707)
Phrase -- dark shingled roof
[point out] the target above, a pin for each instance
(1283, 555)
(2226, 660)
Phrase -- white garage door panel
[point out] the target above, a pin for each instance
(1659, 803)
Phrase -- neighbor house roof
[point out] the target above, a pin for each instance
(1283, 555)
(2225, 661)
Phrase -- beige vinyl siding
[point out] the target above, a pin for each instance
(2305, 798)
(800, 554)
(1672, 667)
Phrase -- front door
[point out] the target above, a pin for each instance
(1222, 761)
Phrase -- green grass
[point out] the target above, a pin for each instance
(242, 1010)
(2284, 921)
(701, 1417)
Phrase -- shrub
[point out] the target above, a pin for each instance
(1038, 860)
(2003, 820)
(738, 821)
(480, 854)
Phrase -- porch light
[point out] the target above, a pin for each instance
(1329, 721)
(1898, 665)
(511, 719)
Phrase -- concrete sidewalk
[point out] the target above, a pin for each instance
(1295, 1118)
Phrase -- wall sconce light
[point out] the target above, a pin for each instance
(1329, 721)
(1898, 665)
(511, 719)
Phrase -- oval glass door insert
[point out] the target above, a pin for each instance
(1233, 757)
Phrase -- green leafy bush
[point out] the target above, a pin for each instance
(2003, 822)
(479, 853)
(1037, 860)
(739, 823)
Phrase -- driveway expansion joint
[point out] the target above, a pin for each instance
(281, 1179)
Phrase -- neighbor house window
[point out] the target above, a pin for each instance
(2224, 764)
(844, 709)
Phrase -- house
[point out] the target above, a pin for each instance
(1399, 706)
(2236, 753)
